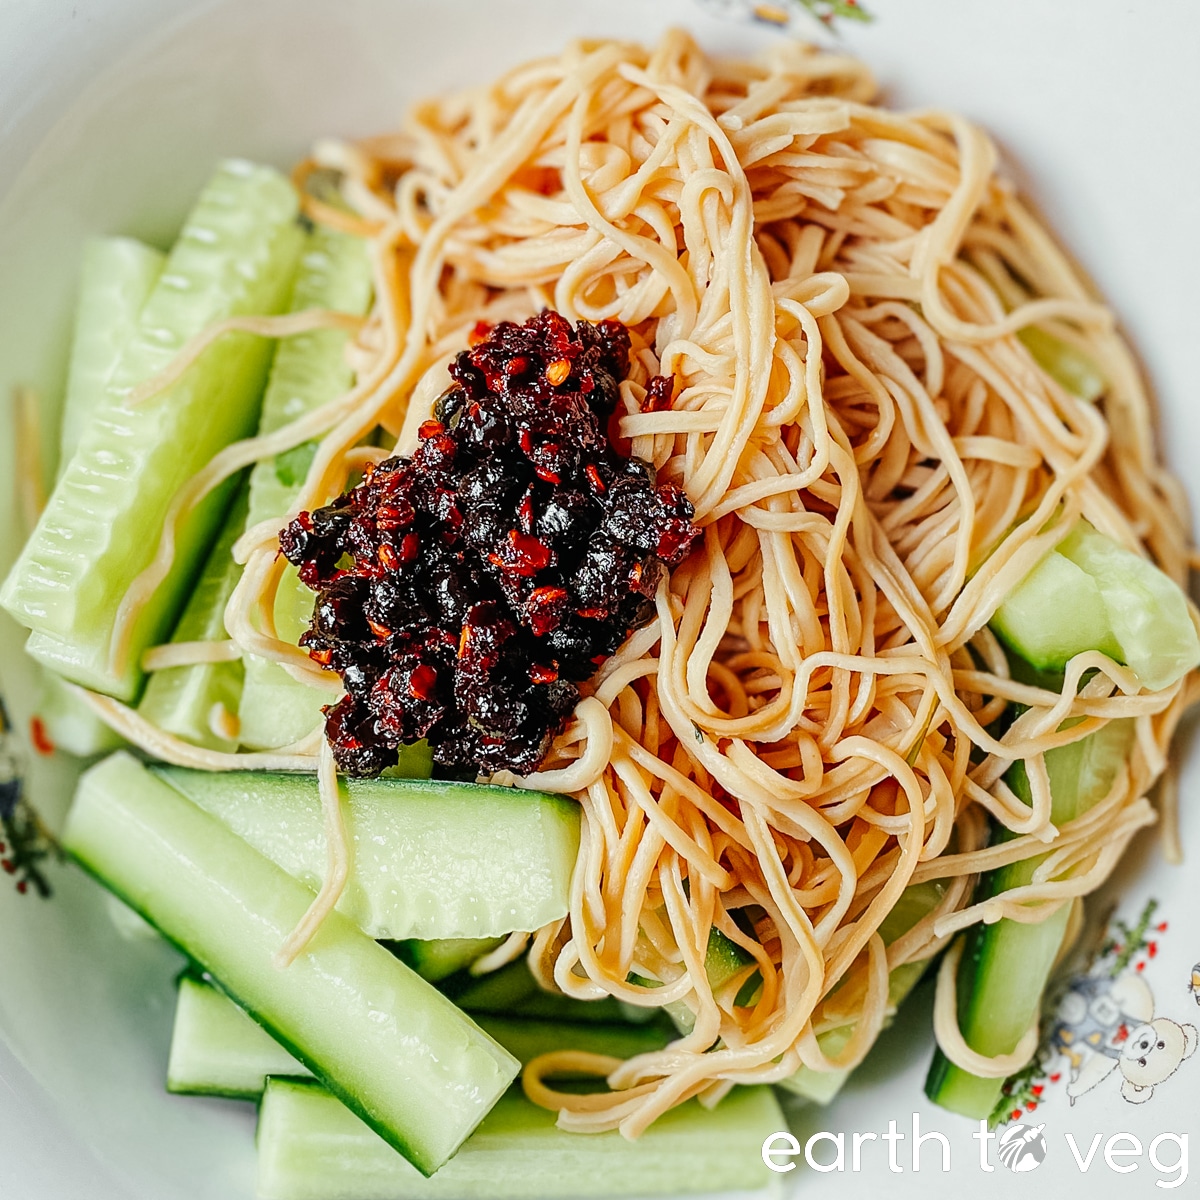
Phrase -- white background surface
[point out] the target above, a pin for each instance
(112, 114)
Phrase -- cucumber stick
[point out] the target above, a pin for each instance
(216, 1050)
(116, 277)
(309, 370)
(1091, 594)
(430, 859)
(312, 1148)
(1005, 966)
(1066, 364)
(915, 903)
(722, 960)
(513, 991)
(101, 527)
(414, 1067)
(185, 700)
(439, 959)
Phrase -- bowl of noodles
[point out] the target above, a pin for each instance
(879, 361)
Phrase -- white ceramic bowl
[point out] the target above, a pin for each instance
(111, 115)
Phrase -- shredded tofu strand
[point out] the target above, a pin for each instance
(300, 756)
(223, 723)
(951, 1040)
(271, 327)
(27, 441)
(338, 851)
(190, 654)
(508, 951)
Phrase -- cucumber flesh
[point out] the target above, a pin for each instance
(312, 1148)
(916, 902)
(116, 278)
(439, 959)
(102, 524)
(217, 1050)
(309, 370)
(182, 700)
(1064, 363)
(414, 1067)
(1005, 966)
(430, 859)
(1089, 593)
(69, 724)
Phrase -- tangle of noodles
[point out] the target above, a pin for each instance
(876, 461)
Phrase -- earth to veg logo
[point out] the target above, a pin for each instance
(1019, 1148)
(1022, 1148)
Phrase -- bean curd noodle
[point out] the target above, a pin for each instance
(876, 461)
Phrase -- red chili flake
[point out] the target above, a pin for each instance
(593, 474)
(387, 516)
(545, 608)
(1031, 1106)
(380, 631)
(22, 887)
(525, 441)
(1037, 1089)
(558, 370)
(1056, 1077)
(528, 555)
(517, 365)
(409, 547)
(1161, 927)
(1121, 1034)
(540, 674)
(422, 682)
(525, 511)
(1016, 1112)
(635, 576)
(8, 865)
(1152, 949)
(39, 737)
(387, 556)
(593, 614)
(464, 642)
(660, 391)
(323, 657)
(430, 429)
(3, 848)
(1141, 966)
(546, 474)
(479, 333)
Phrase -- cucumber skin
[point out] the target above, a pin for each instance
(432, 859)
(1005, 966)
(309, 370)
(180, 699)
(312, 1149)
(99, 528)
(124, 777)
